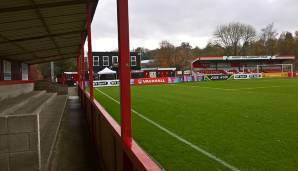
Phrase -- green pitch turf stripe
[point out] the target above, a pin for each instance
(195, 147)
(215, 88)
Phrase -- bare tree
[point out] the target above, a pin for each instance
(183, 55)
(268, 37)
(165, 55)
(234, 35)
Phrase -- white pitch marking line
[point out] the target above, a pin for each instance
(195, 147)
(225, 89)
(252, 88)
(248, 88)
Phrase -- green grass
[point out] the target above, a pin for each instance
(250, 124)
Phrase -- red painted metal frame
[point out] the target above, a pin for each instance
(78, 69)
(10, 82)
(124, 57)
(83, 68)
(134, 155)
(90, 57)
(131, 155)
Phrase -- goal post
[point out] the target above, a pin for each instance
(288, 68)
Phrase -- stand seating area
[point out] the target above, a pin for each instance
(29, 125)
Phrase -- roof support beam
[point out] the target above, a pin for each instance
(41, 6)
(49, 60)
(41, 50)
(78, 32)
(40, 16)
(15, 44)
(46, 57)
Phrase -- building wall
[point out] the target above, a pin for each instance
(111, 65)
(1, 69)
(13, 90)
(16, 70)
(34, 73)
(19, 145)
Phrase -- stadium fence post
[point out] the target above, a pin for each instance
(124, 53)
(90, 57)
(125, 96)
(83, 68)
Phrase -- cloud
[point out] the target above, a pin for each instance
(192, 21)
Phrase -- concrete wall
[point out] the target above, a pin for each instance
(50, 87)
(13, 90)
(19, 143)
(72, 91)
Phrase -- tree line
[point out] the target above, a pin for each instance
(230, 39)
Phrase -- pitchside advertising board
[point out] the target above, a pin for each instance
(151, 81)
(235, 76)
(148, 81)
(167, 80)
(219, 77)
(247, 76)
(105, 83)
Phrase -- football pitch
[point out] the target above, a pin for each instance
(249, 125)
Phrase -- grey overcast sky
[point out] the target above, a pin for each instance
(194, 21)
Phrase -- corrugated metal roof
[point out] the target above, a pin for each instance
(37, 31)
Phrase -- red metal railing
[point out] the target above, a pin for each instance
(11, 82)
(106, 135)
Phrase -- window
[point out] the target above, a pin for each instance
(24, 71)
(133, 61)
(115, 59)
(105, 61)
(7, 70)
(95, 60)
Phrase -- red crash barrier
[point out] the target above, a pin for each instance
(106, 135)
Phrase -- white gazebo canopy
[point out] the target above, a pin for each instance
(106, 71)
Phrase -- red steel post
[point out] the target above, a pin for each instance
(124, 56)
(90, 57)
(78, 70)
(83, 68)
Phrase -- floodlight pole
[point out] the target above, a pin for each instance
(90, 57)
(124, 57)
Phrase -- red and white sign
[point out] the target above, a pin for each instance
(141, 81)
(295, 74)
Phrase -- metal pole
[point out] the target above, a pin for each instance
(83, 68)
(52, 72)
(292, 70)
(124, 55)
(90, 57)
(78, 70)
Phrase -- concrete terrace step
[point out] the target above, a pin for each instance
(10, 105)
(35, 105)
(74, 150)
(49, 119)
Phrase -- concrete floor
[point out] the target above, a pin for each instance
(74, 151)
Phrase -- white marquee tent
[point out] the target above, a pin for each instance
(107, 71)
